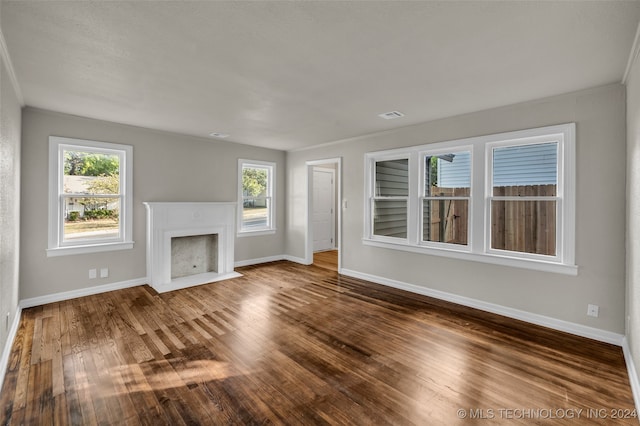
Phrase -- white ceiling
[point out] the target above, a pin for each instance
(287, 75)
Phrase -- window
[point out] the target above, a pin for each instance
(89, 196)
(256, 197)
(506, 199)
(524, 197)
(390, 202)
(445, 197)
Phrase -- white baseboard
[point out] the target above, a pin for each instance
(556, 324)
(257, 261)
(88, 291)
(633, 373)
(295, 259)
(6, 351)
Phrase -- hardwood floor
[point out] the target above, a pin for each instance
(293, 344)
(326, 259)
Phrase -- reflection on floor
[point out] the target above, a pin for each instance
(326, 259)
(301, 345)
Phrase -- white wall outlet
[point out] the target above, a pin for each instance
(93, 274)
(104, 272)
(593, 310)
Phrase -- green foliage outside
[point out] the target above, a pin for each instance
(109, 184)
(97, 208)
(254, 182)
(101, 214)
(433, 170)
(106, 169)
(78, 163)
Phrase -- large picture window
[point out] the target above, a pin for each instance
(256, 196)
(89, 196)
(507, 199)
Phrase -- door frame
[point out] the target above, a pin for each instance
(338, 186)
(334, 214)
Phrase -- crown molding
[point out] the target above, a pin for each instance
(6, 59)
(633, 55)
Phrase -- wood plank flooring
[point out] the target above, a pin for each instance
(326, 259)
(301, 345)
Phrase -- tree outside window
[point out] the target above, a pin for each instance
(256, 194)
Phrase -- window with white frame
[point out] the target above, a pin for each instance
(256, 197)
(506, 199)
(90, 193)
(390, 199)
(445, 197)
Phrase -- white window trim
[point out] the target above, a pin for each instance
(478, 248)
(271, 228)
(56, 245)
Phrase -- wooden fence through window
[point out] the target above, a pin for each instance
(522, 226)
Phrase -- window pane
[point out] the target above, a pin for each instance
(390, 218)
(524, 226)
(526, 170)
(255, 181)
(255, 213)
(91, 173)
(91, 218)
(448, 175)
(445, 221)
(392, 178)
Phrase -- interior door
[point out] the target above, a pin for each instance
(323, 209)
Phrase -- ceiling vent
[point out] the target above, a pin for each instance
(391, 115)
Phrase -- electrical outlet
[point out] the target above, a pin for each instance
(104, 272)
(93, 274)
(593, 310)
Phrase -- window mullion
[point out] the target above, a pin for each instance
(413, 208)
(477, 203)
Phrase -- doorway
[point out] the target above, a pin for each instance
(324, 216)
(323, 213)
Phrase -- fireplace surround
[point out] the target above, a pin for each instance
(169, 222)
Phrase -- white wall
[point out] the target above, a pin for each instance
(600, 252)
(166, 167)
(10, 116)
(633, 212)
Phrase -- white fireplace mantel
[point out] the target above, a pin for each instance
(166, 220)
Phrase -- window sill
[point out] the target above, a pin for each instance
(90, 248)
(537, 265)
(241, 234)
